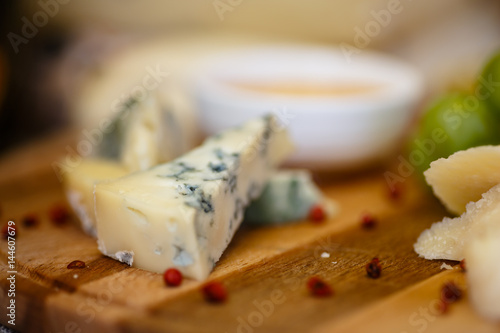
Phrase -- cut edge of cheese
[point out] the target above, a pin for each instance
(464, 176)
(79, 188)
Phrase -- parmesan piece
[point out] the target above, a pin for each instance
(446, 266)
(464, 176)
(447, 239)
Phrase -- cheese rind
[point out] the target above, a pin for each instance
(79, 187)
(184, 213)
(447, 239)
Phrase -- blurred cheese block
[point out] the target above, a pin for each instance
(447, 239)
(288, 196)
(482, 255)
(79, 187)
(464, 176)
(149, 132)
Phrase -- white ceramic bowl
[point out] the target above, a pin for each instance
(341, 114)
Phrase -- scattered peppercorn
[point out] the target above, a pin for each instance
(450, 292)
(76, 264)
(374, 269)
(30, 220)
(214, 292)
(368, 221)
(318, 287)
(442, 307)
(172, 277)
(317, 214)
(59, 214)
(7, 231)
(395, 192)
(463, 266)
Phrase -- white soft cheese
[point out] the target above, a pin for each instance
(184, 213)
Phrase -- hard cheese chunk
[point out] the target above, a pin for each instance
(448, 238)
(184, 213)
(288, 196)
(482, 255)
(79, 187)
(464, 176)
(148, 132)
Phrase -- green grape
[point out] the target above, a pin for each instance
(488, 84)
(455, 122)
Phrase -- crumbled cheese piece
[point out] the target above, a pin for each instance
(126, 257)
(446, 266)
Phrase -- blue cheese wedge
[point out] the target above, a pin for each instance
(79, 184)
(287, 197)
(145, 133)
(184, 213)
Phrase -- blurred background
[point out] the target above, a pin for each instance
(51, 48)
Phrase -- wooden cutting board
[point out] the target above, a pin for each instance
(264, 269)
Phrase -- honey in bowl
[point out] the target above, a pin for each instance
(311, 89)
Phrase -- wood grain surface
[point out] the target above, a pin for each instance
(265, 270)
